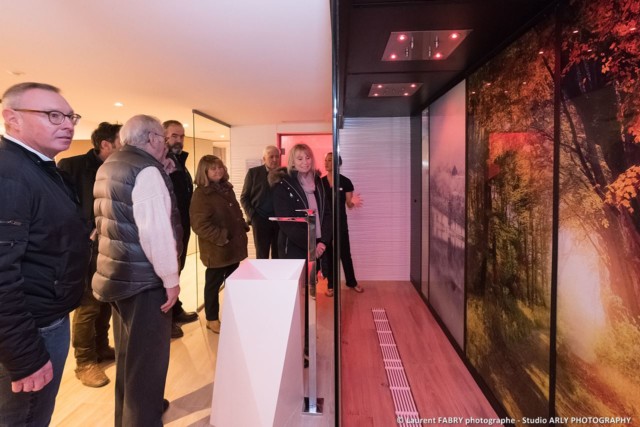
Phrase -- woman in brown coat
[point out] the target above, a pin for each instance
(217, 220)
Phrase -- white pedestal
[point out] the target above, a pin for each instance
(259, 372)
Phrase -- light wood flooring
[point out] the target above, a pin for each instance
(441, 384)
(442, 387)
(190, 380)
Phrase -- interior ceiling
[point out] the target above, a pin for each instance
(245, 62)
(365, 26)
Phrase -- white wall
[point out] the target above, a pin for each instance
(375, 154)
(247, 143)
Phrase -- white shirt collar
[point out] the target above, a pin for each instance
(26, 147)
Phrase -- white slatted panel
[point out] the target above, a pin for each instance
(375, 154)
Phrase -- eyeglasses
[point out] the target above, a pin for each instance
(55, 117)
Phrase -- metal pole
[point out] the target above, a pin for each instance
(312, 404)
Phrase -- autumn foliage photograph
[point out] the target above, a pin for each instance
(553, 170)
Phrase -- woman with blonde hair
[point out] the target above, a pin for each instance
(299, 187)
(218, 222)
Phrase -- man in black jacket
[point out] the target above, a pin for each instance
(44, 252)
(90, 331)
(257, 202)
(183, 190)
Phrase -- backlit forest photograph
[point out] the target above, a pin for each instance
(598, 344)
(510, 137)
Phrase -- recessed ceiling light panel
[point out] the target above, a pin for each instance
(393, 89)
(423, 45)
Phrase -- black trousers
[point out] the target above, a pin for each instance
(214, 277)
(142, 333)
(265, 237)
(326, 261)
(90, 328)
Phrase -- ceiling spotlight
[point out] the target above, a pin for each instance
(393, 89)
(423, 45)
(118, 104)
(541, 52)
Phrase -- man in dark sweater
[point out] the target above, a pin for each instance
(183, 190)
(90, 331)
(44, 252)
(257, 202)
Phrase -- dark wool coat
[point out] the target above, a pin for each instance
(217, 220)
(82, 170)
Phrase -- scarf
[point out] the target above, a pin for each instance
(308, 184)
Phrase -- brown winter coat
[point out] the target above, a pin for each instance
(218, 222)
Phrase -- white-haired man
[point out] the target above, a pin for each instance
(139, 234)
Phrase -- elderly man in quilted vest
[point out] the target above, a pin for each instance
(139, 245)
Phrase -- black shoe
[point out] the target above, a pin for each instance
(185, 317)
(176, 331)
(108, 353)
(165, 405)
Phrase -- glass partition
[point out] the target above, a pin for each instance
(206, 136)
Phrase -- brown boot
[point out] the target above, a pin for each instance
(92, 375)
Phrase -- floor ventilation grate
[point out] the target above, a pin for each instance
(399, 386)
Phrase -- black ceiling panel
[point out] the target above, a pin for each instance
(366, 26)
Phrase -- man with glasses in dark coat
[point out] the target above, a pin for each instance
(44, 252)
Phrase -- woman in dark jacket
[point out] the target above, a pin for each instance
(299, 187)
(218, 222)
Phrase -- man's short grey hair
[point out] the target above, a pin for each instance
(11, 97)
(268, 149)
(136, 130)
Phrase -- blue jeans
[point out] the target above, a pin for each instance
(34, 409)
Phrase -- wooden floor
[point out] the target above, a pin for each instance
(190, 380)
(441, 385)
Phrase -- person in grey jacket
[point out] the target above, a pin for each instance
(139, 236)
(44, 252)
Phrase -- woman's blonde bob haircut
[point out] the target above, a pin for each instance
(304, 148)
(208, 162)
